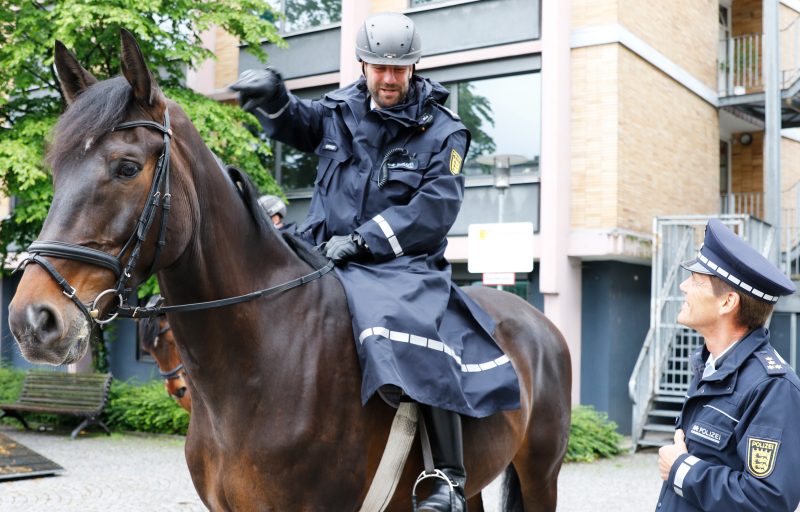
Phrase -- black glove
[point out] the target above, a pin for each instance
(345, 247)
(257, 88)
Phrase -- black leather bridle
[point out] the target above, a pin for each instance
(158, 196)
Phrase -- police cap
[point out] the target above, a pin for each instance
(728, 257)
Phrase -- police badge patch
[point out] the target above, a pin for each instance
(455, 162)
(761, 455)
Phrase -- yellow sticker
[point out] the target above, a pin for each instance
(761, 455)
(455, 162)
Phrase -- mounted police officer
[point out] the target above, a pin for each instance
(388, 189)
(737, 446)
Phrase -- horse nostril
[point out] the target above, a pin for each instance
(44, 321)
(180, 392)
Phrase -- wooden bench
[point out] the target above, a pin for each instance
(76, 394)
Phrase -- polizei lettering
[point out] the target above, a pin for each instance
(706, 433)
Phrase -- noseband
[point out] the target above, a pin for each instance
(156, 198)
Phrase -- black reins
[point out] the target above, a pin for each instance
(159, 196)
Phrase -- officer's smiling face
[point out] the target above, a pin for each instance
(700, 307)
(388, 85)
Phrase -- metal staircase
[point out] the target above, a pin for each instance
(662, 373)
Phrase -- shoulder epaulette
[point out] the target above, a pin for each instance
(449, 112)
(772, 363)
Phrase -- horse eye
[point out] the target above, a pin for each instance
(128, 169)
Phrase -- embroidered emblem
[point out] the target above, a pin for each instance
(761, 455)
(330, 146)
(455, 162)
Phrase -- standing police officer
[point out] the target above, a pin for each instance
(737, 446)
(388, 189)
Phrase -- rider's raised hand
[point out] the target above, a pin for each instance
(257, 87)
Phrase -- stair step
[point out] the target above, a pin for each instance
(655, 427)
(654, 442)
(670, 399)
(665, 413)
(681, 394)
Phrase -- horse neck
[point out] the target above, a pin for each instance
(228, 253)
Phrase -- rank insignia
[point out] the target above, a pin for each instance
(455, 162)
(761, 455)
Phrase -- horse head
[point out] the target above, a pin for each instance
(113, 142)
(157, 338)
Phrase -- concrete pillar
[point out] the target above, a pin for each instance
(559, 275)
(772, 124)
(354, 12)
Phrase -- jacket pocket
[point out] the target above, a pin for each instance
(709, 434)
(331, 156)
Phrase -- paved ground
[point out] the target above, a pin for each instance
(148, 473)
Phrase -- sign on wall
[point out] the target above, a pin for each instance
(497, 250)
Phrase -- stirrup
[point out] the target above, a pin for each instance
(436, 473)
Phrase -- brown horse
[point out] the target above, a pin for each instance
(157, 339)
(277, 422)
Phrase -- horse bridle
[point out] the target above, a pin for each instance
(40, 248)
(156, 198)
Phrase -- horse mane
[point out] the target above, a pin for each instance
(249, 194)
(93, 114)
(148, 330)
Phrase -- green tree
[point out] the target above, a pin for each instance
(168, 33)
(474, 110)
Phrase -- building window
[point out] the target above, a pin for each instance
(504, 117)
(305, 14)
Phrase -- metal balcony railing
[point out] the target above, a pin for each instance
(742, 65)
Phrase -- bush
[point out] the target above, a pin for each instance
(591, 436)
(145, 408)
(142, 408)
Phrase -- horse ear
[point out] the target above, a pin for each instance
(135, 70)
(73, 77)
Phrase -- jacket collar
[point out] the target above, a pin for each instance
(420, 92)
(734, 358)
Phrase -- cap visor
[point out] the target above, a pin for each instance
(694, 265)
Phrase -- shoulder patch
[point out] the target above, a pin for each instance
(772, 364)
(455, 162)
(761, 455)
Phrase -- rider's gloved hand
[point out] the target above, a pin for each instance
(258, 88)
(345, 247)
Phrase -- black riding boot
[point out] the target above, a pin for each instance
(444, 431)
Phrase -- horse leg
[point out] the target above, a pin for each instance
(475, 503)
(534, 474)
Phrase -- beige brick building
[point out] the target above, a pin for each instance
(633, 109)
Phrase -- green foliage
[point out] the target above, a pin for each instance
(10, 384)
(591, 436)
(145, 408)
(168, 33)
(131, 407)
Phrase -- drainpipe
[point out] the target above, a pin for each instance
(772, 125)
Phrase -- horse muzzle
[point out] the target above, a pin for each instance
(45, 335)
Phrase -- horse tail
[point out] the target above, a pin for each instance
(511, 492)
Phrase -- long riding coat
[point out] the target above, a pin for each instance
(413, 328)
(741, 425)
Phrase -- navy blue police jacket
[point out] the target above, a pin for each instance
(414, 329)
(742, 427)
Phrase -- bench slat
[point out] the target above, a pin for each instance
(78, 394)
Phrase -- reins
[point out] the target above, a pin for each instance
(127, 311)
(159, 196)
